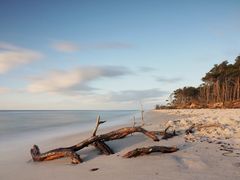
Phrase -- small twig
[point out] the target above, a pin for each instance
(142, 114)
(134, 121)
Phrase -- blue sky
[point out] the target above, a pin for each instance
(92, 54)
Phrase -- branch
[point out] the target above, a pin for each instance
(103, 147)
(148, 150)
(55, 154)
(98, 122)
(165, 134)
(100, 145)
(99, 141)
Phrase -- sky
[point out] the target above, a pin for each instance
(110, 54)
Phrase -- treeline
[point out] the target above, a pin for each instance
(220, 87)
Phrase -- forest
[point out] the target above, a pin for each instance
(220, 89)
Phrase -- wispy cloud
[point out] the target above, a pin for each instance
(12, 56)
(4, 90)
(168, 80)
(68, 47)
(74, 80)
(136, 95)
(146, 69)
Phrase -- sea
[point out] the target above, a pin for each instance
(22, 125)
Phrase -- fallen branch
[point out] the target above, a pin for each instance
(97, 140)
(54, 154)
(148, 150)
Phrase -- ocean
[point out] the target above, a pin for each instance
(29, 124)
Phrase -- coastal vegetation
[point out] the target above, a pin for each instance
(220, 89)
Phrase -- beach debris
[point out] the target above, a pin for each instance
(55, 154)
(165, 134)
(94, 169)
(148, 150)
(97, 140)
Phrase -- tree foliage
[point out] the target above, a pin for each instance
(220, 84)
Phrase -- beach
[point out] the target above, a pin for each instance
(210, 153)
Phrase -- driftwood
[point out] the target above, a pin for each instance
(101, 145)
(55, 154)
(165, 134)
(148, 150)
(97, 140)
(199, 127)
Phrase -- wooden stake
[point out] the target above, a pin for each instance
(134, 121)
(142, 113)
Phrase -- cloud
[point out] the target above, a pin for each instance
(74, 80)
(68, 47)
(168, 80)
(136, 95)
(146, 69)
(4, 90)
(12, 56)
(112, 45)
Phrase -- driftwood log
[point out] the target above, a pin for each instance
(148, 150)
(97, 140)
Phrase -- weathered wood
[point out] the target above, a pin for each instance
(117, 134)
(55, 154)
(166, 135)
(148, 150)
(103, 147)
(100, 145)
(98, 122)
(190, 129)
(99, 141)
(199, 127)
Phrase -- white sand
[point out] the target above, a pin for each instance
(197, 158)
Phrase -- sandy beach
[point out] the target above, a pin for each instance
(210, 153)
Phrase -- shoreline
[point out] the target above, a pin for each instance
(199, 160)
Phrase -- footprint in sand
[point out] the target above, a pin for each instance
(191, 162)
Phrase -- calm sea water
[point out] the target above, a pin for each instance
(18, 124)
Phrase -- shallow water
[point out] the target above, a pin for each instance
(18, 124)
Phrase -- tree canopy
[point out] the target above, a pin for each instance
(220, 85)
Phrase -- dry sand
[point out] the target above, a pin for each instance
(199, 157)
